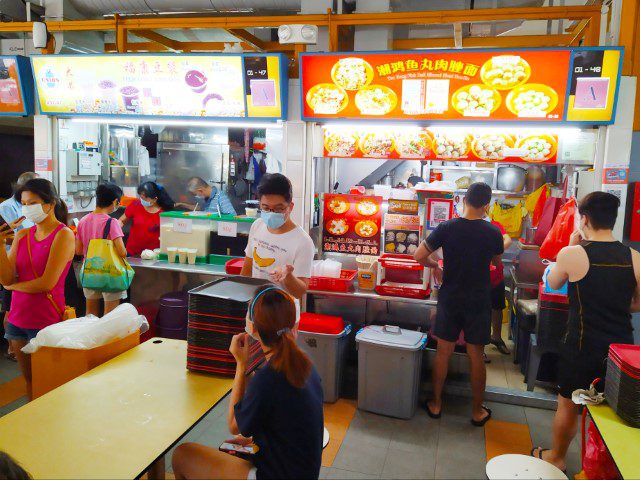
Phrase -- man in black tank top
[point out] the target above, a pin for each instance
(604, 288)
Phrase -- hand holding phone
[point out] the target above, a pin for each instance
(237, 450)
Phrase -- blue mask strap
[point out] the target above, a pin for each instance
(256, 299)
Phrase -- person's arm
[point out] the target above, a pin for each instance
(226, 207)
(239, 348)
(123, 219)
(559, 274)
(79, 246)
(423, 256)
(118, 244)
(61, 254)
(506, 239)
(635, 301)
(296, 286)
(247, 267)
(8, 260)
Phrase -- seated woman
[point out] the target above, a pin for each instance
(281, 408)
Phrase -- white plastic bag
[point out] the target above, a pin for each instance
(89, 332)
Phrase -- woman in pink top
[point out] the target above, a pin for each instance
(36, 267)
(93, 226)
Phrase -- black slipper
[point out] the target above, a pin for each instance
(539, 455)
(481, 423)
(486, 359)
(435, 416)
(501, 346)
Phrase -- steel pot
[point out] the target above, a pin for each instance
(511, 179)
(535, 178)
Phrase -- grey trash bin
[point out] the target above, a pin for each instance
(327, 352)
(389, 362)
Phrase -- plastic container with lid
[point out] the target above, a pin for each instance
(389, 363)
(324, 339)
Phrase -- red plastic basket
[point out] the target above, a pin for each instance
(234, 266)
(342, 284)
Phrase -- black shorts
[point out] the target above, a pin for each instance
(472, 318)
(497, 297)
(6, 299)
(578, 368)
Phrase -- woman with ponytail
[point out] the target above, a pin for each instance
(144, 214)
(36, 266)
(280, 410)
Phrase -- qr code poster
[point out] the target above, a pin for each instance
(617, 191)
(439, 210)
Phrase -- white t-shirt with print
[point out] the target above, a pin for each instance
(270, 251)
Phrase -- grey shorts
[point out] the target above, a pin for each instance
(90, 294)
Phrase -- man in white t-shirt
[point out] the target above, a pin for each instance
(278, 249)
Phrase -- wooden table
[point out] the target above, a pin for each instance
(115, 421)
(621, 439)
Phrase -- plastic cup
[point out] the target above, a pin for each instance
(130, 98)
(182, 255)
(191, 256)
(172, 252)
(251, 212)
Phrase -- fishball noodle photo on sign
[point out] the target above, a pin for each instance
(352, 224)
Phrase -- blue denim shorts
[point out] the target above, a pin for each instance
(18, 333)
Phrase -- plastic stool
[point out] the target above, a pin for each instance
(325, 439)
(510, 467)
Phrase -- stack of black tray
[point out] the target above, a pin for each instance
(622, 389)
(217, 312)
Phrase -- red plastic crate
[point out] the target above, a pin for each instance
(234, 266)
(328, 284)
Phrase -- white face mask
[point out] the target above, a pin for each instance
(34, 212)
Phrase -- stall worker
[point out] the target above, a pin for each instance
(278, 249)
(144, 214)
(10, 212)
(604, 288)
(280, 408)
(498, 303)
(469, 245)
(414, 180)
(36, 267)
(92, 227)
(213, 200)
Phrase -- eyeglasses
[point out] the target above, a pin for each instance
(274, 210)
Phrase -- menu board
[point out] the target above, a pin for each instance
(401, 233)
(16, 97)
(529, 85)
(352, 224)
(441, 144)
(211, 86)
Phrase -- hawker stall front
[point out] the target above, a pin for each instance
(195, 131)
(398, 137)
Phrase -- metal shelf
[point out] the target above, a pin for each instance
(498, 192)
(479, 169)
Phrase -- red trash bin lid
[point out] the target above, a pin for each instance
(318, 323)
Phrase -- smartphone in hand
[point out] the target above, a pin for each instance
(241, 451)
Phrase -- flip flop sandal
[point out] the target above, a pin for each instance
(486, 359)
(435, 416)
(501, 346)
(481, 423)
(539, 455)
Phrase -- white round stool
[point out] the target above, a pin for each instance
(325, 439)
(526, 467)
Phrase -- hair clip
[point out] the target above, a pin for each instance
(282, 331)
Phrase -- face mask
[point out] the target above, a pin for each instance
(246, 329)
(34, 212)
(200, 198)
(273, 220)
(145, 203)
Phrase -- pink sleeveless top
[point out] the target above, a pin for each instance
(35, 310)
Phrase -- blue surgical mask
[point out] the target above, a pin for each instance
(145, 203)
(273, 220)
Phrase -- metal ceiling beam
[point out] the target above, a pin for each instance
(169, 43)
(249, 38)
(485, 42)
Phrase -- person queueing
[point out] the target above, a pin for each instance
(144, 214)
(469, 245)
(92, 227)
(212, 199)
(498, 303)
(280, 410)
(604, 288)
(36, 267)
(10, 212)
(278, 249)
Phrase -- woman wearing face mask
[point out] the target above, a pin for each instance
(92, 227)
(36, 267)
(144, 214)
(281, 408)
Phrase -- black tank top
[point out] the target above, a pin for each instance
(599, 304)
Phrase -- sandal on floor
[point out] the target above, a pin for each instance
(435, 416)
(486, 359)
(481, 423)
(501, 346)
(539, 455)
